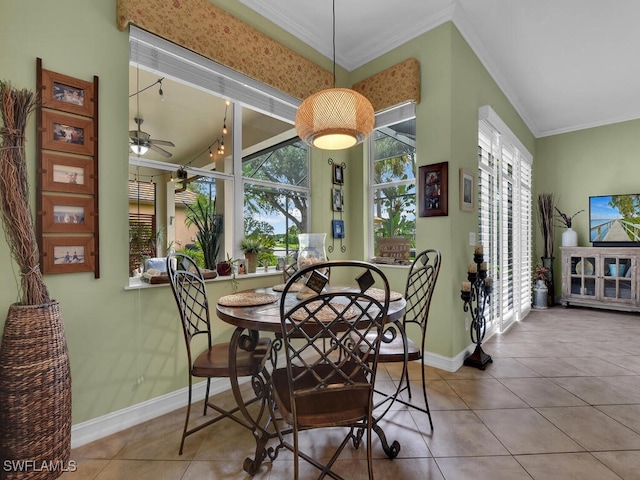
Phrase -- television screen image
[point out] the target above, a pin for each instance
(614, 219)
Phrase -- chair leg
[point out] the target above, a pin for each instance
(206, 397)
(426, 402)
(186, 421)
(369, 452)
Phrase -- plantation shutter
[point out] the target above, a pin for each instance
(504, 219)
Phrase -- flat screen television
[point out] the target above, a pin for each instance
(614, 220)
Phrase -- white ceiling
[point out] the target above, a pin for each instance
(564, 64)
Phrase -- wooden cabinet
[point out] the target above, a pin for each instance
(600, 277)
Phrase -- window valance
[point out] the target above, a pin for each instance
(208, 30)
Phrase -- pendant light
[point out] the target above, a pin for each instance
(335, 118)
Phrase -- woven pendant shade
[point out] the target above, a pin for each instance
(335, 119)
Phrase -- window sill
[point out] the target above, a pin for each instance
(136, 283)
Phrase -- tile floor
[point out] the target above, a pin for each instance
(560, 401)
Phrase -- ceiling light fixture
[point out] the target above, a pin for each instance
(335, 118)
(138, 149)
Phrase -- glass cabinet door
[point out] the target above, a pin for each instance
(617, 276)
(583, 279)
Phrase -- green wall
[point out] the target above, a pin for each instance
(454, 84)
(576, 165)
(116, 336)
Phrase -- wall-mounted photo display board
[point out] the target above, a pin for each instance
(67, 223)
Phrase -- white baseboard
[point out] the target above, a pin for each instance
(100, 427)
(119, 420)
(447, 363)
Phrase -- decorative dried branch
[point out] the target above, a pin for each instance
(16, 106)
(566, 219)
(545, 209)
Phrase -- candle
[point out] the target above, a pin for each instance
(483, 266)
(478, 250)
(473, 268)
(488, 282)
(466, 286)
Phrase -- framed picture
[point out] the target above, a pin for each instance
(433, 190)
(66, 133)
(338, 174)
(60, 173)
(467, 191)
(337, 199)
(337, 226)
(65, 214)
(68, 254)
(62, 92)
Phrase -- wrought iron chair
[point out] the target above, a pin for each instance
(189, 291)
(330, 384)
(395, 345)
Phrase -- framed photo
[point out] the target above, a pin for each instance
(433, 190)
(337, 199)
(467, 191)
(62, 92)
(60, 173)
(66, 133)
(65, 214)
(337, 226)
(338, 174)
(68, 254)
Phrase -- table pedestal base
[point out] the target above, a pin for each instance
(478, 359)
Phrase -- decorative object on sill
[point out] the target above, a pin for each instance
(311, 250)
(476, 293)
(223, 269)
(335, 118)
(569, 236)
(35, 377)
(252, 246)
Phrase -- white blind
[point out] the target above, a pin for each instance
(504, 219)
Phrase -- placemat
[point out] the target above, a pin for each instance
(248, 299)
(378, 294)
(326, 313)
(296, 287)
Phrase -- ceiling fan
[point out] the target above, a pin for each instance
(140, 142)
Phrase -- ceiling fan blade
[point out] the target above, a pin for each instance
(162, 142)
(161, 151)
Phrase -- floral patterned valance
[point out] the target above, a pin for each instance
(393, 86)
(208, 30)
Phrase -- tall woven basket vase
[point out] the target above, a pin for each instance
(35, 394)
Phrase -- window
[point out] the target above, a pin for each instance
(504, 218)
(276, 193)
(392, 185)
(235, 150)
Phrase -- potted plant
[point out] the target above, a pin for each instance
(540, 289)
(569, 236)
(545, 211)
(252, 246)
(202, 214)
(35, 378)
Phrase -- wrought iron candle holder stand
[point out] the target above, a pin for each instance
(476, 294)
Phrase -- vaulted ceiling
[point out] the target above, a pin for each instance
(564, 64)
